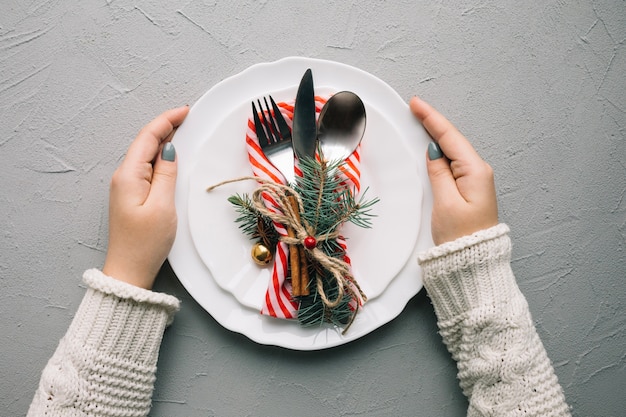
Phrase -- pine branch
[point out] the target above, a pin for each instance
(312, 310)
(328, 202)
(252, 223)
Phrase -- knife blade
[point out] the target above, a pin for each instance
(304, 129)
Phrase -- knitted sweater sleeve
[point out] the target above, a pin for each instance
(106, 363)
(486, 325)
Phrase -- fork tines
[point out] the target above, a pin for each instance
(273, 128)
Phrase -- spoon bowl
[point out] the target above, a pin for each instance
(341, 125)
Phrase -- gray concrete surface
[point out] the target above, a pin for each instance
(539, 87)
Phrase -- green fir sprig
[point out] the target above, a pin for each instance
(252, 223)
(328, 202)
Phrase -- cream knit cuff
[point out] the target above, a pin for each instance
(120, 320)
(97, 280)
(471, 272)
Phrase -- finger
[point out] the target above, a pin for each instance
(453, 144)
(441, 178)
(164, 177)
(148, 142)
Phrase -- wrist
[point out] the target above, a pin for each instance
(129, 272)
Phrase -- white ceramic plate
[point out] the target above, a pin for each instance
(377, 254)
(208, 114)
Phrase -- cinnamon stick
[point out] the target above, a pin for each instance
(297, 259)
(294, 257)
(304, 272)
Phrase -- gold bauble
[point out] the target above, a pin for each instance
(261, 255)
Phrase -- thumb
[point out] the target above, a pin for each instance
(164, 175)
(441, 178)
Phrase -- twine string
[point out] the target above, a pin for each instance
(287, 216)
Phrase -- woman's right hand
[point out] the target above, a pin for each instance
(463, 185)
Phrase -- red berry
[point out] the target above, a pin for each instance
(310, 242)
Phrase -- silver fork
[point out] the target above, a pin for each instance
(274, 137)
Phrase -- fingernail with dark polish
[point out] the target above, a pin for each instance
(168, 153)
(434, 151)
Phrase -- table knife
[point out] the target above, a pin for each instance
(304, 130)
(304, 142)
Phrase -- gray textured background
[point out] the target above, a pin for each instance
(539, 87)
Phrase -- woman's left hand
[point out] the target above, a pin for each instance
(142, 215)
(463, 185)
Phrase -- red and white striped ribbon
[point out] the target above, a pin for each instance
(278, 299)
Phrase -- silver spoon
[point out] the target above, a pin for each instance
(341, 125)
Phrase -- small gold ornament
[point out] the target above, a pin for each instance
(261, 255)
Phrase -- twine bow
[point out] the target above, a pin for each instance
(288, 216)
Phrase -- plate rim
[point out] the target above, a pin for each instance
(279, 337)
